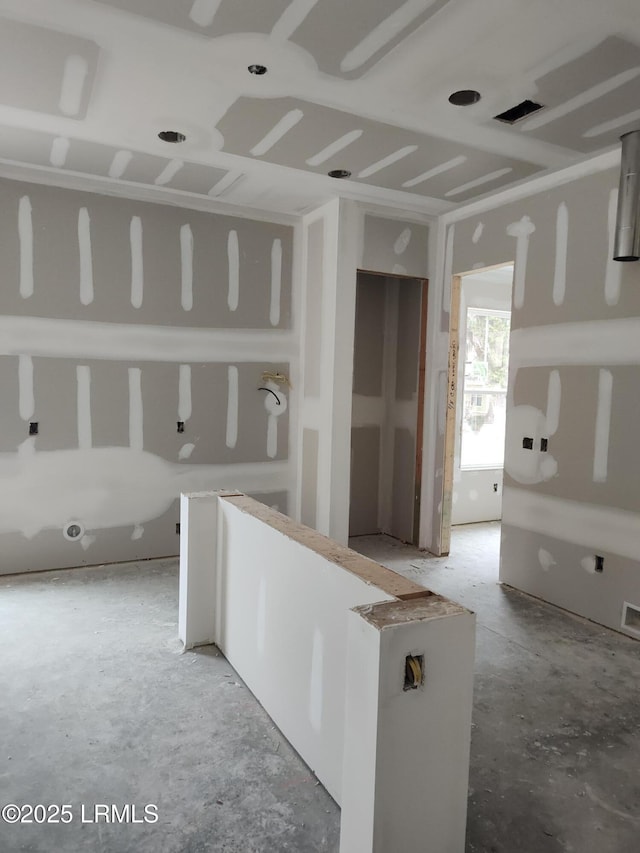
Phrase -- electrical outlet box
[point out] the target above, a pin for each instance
(413, 672)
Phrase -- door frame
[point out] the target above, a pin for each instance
(453, 379)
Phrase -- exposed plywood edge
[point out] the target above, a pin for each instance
(389, 613)
(411, 596)
(370, 572)
(450, 427)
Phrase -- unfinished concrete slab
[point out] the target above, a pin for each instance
(97, 705)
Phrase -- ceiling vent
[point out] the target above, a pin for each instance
(520, 111)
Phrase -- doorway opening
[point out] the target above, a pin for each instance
(477, 411)
(387, 406)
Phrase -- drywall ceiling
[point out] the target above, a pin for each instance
(87, 85)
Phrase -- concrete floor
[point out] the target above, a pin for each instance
(98, 706)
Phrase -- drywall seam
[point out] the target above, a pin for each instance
(26, 397)
(136, 429)
(276, 405)
(142, 486)
(276, 282)
(233, 257)
(83, 378)
(448, 268)
(121, 160)
(618, 342)
(367, 411)
(39, 336)
(186, 259)
(477, 233)
(137, 264)
(292, 17)
(534, 186)
(604, 529)
(562, 239)
(184, 393)
(13, 170)
(169, 172)
(522, 231)
(86, 261)
(76, 69)
(383, 33)
(59, 150)
(580, 100)
(272, 436)
(478, 182)
(232, 406)
(280, 129)
(334, 148)
(204, 11)
(554, 396)
(603, 423)
(389, 160)
(436, 170)
(613, 124)
(226, 183)
(613, 275)
(25, 234)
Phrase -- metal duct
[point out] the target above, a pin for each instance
(627, 239)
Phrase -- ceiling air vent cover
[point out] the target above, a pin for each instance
(520, 111)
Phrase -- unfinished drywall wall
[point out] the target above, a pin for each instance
(333, 241)
(133, 338)
(477, 492)
(385, 405)
(574, 375)
(394, 246)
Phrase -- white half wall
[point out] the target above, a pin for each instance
(321, 636)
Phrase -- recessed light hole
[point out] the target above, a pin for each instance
(520, 111)
(173, 136)
(464, 97)
(256, 69)
(339, 173)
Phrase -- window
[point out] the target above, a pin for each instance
(486, 370)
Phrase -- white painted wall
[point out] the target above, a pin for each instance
(474, 495)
